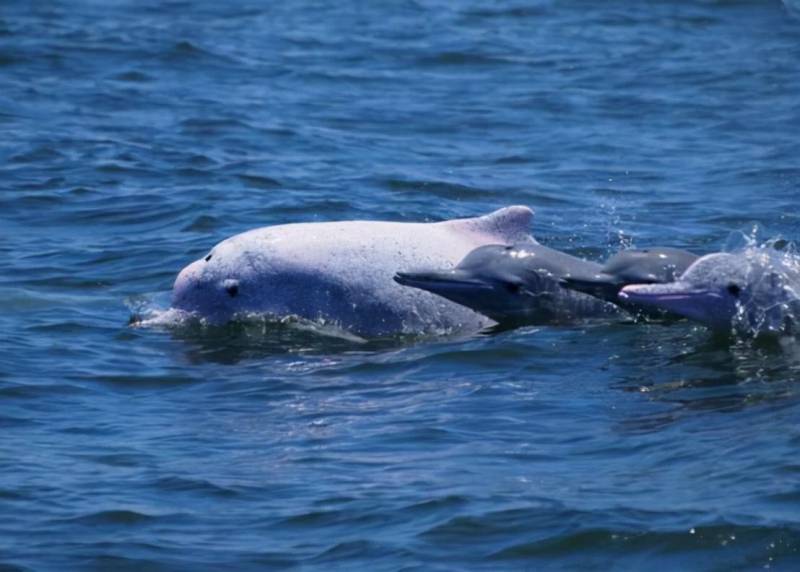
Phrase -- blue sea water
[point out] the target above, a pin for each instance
(134, 135)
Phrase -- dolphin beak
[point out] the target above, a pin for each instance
(678, 297)
(441, 282)
(600, 285)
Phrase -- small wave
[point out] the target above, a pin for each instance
(8, 59)
(202, 487)
(116, 167)
(211, 125)
(438, 504)
(512, 12)
(442, 189)
(132, 76)
(773, 304)
(740, 242)
(42, 154)
(154, 317)
(21, 391)
(793, 7)
(112, 517)
(318, 518)
(7, 422)
(7, 494)
(631, 543)
(145, 316)
(358, 549)
(186, 51)
(259, 181)
(247, 336)
(203, 223)
(258, 328)
(459, 58)
(117, 459)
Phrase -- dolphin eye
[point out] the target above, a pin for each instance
(207, 258)
(734, 290)
(513, 287)
(232, 289)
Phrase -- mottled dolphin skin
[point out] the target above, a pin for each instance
(517, 284)
(754, 291)
(636, 266)
(340, 273)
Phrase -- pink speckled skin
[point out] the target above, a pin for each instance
(341, 273)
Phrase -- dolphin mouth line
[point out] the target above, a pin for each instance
(664, 297)
(656, 297)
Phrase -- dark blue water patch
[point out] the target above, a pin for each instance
(704, 543)
(116, 518)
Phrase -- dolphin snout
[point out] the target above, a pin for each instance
(682, 299)
(404, 278)
(437, 281)
(600, 285)
(661, 294)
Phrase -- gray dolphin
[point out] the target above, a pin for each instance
(515, 284)
(754, 291)
(636, 266)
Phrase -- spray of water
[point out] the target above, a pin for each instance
(770, 300)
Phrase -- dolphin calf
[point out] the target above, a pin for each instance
(517, 284)
(340, 273)
(635, 266)
(535, 284)
(753, 291)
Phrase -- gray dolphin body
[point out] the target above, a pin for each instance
(515, 284)
(754, 291)
(532, 283)
(636, 266)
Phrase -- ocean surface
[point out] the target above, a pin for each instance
(135, 134)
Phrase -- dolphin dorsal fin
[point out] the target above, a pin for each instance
(509, 224)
